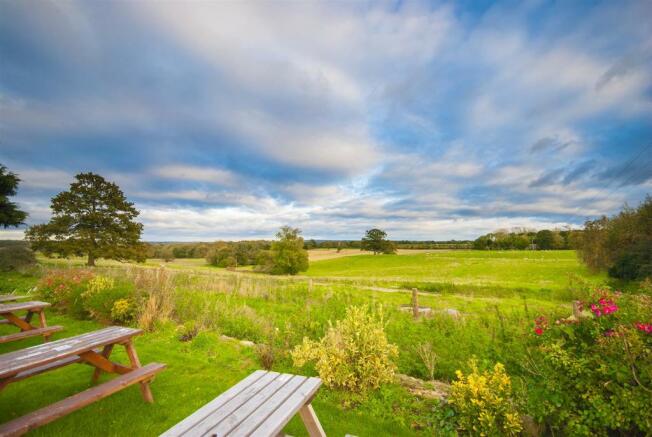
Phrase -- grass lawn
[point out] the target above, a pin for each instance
(197, 372)
(510, 269)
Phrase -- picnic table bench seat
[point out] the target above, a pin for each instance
(92, 348)
(24, 323)
(259, 405)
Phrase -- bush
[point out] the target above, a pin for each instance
(64, 288)
(483, 402)
(595, 372)
(16, 257)
(634, 265)
(354, 354)
(123, 311)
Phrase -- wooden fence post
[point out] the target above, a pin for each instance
(415, 303)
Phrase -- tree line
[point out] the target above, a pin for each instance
(620, 244)
(523, 239)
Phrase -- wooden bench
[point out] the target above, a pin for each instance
(8, 312)
(10, 297)
(93, 348)
(259, 405)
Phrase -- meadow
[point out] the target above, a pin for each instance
(483, 305)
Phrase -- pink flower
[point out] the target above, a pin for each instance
(538, 330)
(644, 327)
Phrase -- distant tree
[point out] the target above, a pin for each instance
(375, 240)
(544, 240)
(10, 215)
(167, 254)
(286, 255)
(93, 219)
(621, 244)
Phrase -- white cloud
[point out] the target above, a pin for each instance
(195, 173)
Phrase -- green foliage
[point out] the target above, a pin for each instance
(10, 215)
(16, 257)
(375, 240)
(94, 219)
(621, 244)
(483, 402)
(233, 254)
(354, 355)
(100, 298)
(64, 288)
(123, 311)
(522, 239)
(593, 376)
(287, 255)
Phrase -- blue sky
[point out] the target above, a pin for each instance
(432, 120)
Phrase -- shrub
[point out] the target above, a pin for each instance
(123, 311)
(354, 355)
(155, 290)
(595, 373)
(16, 257)
(64, 288)
(483, 402)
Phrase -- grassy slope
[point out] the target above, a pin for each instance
(522, 269)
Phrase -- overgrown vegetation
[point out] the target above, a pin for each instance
(622, 244)
(527, 239)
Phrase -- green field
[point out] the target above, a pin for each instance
(495, 294)
(508, 269)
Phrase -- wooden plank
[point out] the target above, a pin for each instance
(30, 333)
(202, 428)
(282, 415)
(47, 367)
(182, 427)
(247, 426)
(20, 306)
(52, 412)
(21, 323)
(25, 359)
(10, 297)
(311, 421)
(228, 423)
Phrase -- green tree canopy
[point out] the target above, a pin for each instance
(10, 215)
(93, 219)
(621, 244)
(375, 240)
(544, 240)
(287, 255)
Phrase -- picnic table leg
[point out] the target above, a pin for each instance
(135, 363)
(41, 316)
(106, 353)
(311, 421)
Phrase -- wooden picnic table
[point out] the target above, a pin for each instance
(8, 312)
(259, 405)
(93, 348)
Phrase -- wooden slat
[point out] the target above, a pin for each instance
(250, 423)
(30, 333)
(20, 306)
(47, 367)
(254, 402)
(52, 412)
(202, 428)
(199, 415)
(10, 297)
(285, 411)
(25, 359)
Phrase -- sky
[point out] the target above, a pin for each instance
(431, 120)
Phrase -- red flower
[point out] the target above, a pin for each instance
(538, 330)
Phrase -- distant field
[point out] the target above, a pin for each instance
(512, 269)
(322, 254)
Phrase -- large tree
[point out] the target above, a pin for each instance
(287, 255)
(10, 215)
(375, 240)
(92, 219)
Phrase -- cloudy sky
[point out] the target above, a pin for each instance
(430, 120)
